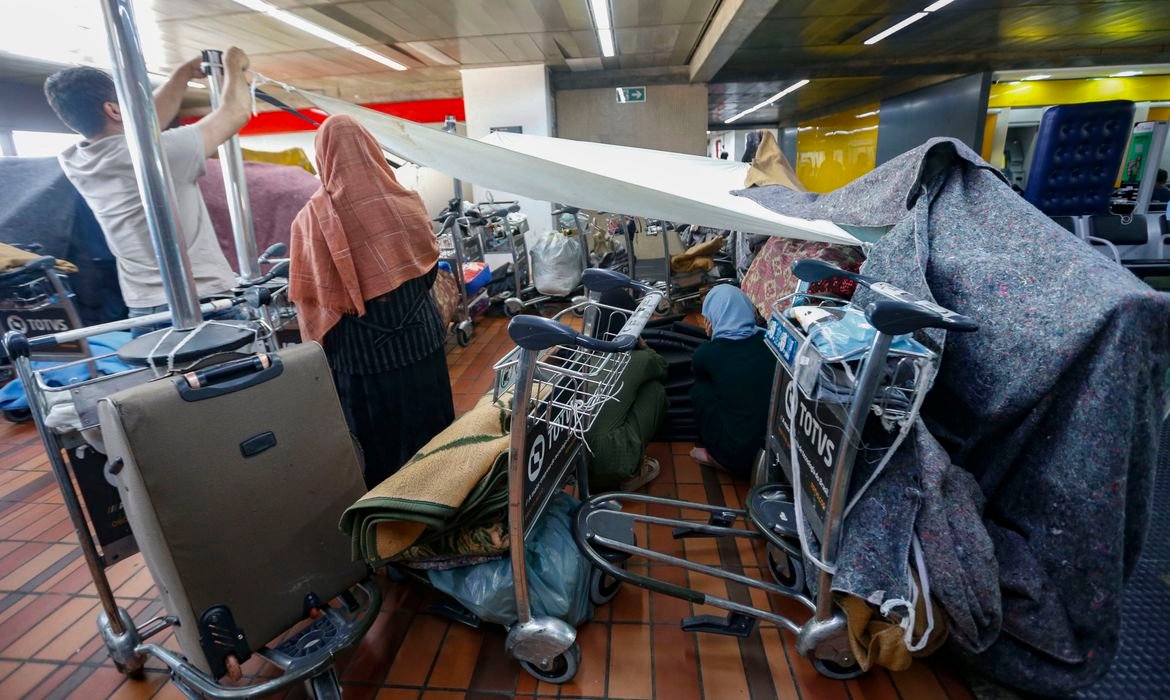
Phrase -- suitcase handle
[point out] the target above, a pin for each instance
(228, 377)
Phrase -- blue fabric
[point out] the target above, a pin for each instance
(13, 398)
(730, 313)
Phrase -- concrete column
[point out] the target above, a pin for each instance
(511, 96)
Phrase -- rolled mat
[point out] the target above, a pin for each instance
(457, 482)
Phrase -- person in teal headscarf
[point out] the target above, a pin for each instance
(733, 382)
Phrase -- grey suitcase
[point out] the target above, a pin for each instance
(233, 484)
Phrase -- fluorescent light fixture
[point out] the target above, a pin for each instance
(896, 28)
(1126, 74)
(1038, 76)
(601, 14)
(791, 88)
(932, 7)
(318, 31)
(605, 38)
(604, 25)
(193, 84)
(867, 114)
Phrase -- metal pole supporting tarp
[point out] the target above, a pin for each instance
(150, 167)
(231, 162)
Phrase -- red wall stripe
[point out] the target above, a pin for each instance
(422, 111)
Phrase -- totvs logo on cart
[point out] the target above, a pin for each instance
(43, 325)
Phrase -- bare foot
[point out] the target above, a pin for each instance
(702, 456)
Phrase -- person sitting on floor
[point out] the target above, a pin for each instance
(733, 383)
(363, 262)
(618, 438)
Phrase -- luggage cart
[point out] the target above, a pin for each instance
(652, 267)
(35, 300)
(818, 443)
(554, 383)
(458, 243)
(527, 296)
(96, 511)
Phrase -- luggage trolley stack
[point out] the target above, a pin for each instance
(526, 294)
(555, 382)
(117, 469)
(35, 299)
(833, 416)
(458, 244)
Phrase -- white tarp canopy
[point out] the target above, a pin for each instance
(618, 179)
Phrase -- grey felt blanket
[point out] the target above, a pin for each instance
(1030, 490)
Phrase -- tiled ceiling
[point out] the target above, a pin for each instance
(817, 39)
(433, 38)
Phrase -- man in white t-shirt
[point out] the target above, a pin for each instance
(100, 168)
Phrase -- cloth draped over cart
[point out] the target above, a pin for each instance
(276, 193)
(1028, 479)
(446, 507)
(643, 182)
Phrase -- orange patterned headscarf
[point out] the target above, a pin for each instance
(360, 236)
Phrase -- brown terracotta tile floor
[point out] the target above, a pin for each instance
(633, 649)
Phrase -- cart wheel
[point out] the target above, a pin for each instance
(834, 670)
(135, 674)
(20, 415)
(462, 337)
(513, 306)
(564, 667)
(602, 587)
(787, 570)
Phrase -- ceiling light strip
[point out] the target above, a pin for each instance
(896, 28)
(932, 7)
(318, 31)
(604, 24)
(790, 89)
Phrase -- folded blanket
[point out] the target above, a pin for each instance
(12, 258)
(456, 482)
(700, 256)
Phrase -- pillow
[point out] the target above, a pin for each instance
(770, 275)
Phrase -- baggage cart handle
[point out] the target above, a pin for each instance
(600, 281)
(537, 333)
(41, 264)
(898, 312)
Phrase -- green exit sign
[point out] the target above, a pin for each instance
(631, 94)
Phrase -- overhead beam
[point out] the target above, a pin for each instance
(731, 24)
(954, 63)
(582, 80)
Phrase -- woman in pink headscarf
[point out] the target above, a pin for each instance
(363, 262)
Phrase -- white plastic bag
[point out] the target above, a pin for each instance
(556, 264)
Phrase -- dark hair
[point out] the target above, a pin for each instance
(1161, 178)
(751, 145)
(77, 96)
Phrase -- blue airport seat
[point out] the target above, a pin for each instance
(1079, 149)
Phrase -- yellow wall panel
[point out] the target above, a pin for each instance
(835, 150)
(1041, 93)
(989, 136)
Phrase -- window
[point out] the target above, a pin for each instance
(42, 143)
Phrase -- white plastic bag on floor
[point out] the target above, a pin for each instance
(556, 264)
